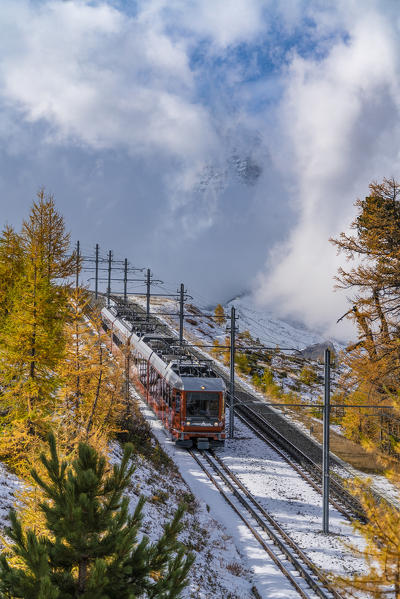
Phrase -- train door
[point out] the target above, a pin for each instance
(222, 407)
(142, 369)
(176, 407)
(168, 403)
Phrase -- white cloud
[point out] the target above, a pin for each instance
(224, 22)
(339, 119)
(101, 79)
(175, 88)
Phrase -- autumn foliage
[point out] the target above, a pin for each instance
(373, 361)
(54, 370)
(89, 546)
(381, 551)
(372, 374)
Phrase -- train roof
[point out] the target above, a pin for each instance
(181, 369)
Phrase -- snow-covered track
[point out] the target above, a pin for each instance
(302, 452)
(306, 578)
(340, 498)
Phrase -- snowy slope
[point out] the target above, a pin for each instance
(270, 330)
(219, 570)
(283, 493)
(261, 324)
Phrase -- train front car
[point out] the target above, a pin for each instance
(182, 389)
(203, 412)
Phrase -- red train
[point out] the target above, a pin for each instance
(183, 391)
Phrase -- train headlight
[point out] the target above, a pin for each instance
(215, 423)
(187, 423)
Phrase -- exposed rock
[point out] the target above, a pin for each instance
(317, 351)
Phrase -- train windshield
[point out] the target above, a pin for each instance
(200, 404)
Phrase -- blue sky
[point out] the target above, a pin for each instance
(219, 142)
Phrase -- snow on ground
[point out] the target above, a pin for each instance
(292, 501)
(218, 571)
(270, 330)
(267, 578)
(282, 492)
(9, 485)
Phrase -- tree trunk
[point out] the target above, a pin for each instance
(82, 574)
(96, 399)
(33, 338)
(77, 362)
(370, 346)
(382, 318)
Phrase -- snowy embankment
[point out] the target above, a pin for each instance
(282, 492)
(10, 484)
(270, 330)
(218, 571)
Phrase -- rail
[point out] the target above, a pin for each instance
(340, 498)
(309, 581)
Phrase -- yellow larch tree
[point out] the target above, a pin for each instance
(373, 362)
(219, 315)
(11, 264)
(32, 336)
(92, 388)
(216, 349)
(381, 550)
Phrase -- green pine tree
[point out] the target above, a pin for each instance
(91, 550)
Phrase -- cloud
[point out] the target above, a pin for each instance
(222, 22)
(339, 116)
(100, 79)
(213, 140)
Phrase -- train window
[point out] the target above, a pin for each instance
(169, 395)
(143, 371)
(164, 390)
(203, 404)
(117, 340)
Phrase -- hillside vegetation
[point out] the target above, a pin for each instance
(60, 384)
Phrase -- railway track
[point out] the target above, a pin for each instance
(308, 580)
(340, 498)
(302, 452)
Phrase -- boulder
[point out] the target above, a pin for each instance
(317, 351)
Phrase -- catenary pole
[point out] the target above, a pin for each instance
(232, 375)
(325, 449)
(181, 307)
(96, 276)
(109, 278)
(78, 252)
(148, 284)
(127, 372)
(125, 279)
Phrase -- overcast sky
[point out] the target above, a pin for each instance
(220, 142)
